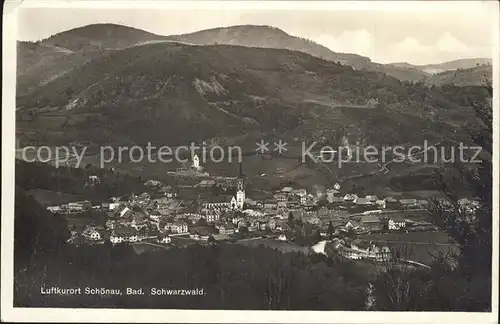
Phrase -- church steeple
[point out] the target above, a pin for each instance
(240, 189)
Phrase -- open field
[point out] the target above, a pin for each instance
(50, 198)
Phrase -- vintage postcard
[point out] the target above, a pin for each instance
(250, 161)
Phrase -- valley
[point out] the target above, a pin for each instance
(289, 210)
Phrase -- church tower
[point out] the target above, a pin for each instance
(196, 162)
(345, 144)
(240, 191)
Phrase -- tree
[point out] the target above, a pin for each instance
(291, 219)
(330, 230)
(455, 281)
(471, 228)
(243, 230)
(211, 240)
(202, 222)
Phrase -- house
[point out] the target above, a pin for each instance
(219, 203)
(93, 179)
(227, 229)
(360, 249)
(287, 190)
(331, 194)
(144, 196)
(193, 217)
(280, 197)
(391, 203)
(178, 227)
(79, 206)
(324, 212)
(281, 205)
(271, 224)
(152, 183)
(167, 191)
(92, 234)
(395, 223)
(165, 239)
(300, 193)
(350, 197)
(110, 224)
(282, 237)
(335, 200)
(115, 239)
(351, 225)
(112, 205)
(309, 204)
(283, 227)
(336, 223)
(253, 203)
(364, 251)
(123, 234)
(212, 216)
(422, 203)
(372, 212)
(54, 209)
(292, 203)
(362, 201)
(155, 216)
(384, 254)
(370, 222)
(270, 204)
(202, 232)
(381, 203)
(123, 211)
(408, 203)
(206, 183)
(95, 235)
(371, 198)
(360, 245)
(234, 203)
(239, 221)
(312, 219)
(138, 217)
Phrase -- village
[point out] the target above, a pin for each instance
(164, 217)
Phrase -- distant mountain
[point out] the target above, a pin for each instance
(463, 72)
(43, 61)
(171, 93)
(271, 37)
(100, 36)
(478, 76)
(446, 66)
(460, 64)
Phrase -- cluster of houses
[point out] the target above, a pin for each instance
(360, 249)
(143, 217)
(71, 207)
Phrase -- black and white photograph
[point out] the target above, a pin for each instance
(338, 159)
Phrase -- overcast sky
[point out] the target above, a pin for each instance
(418, 34)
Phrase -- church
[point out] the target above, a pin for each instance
(239, 200)
(240, 194)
